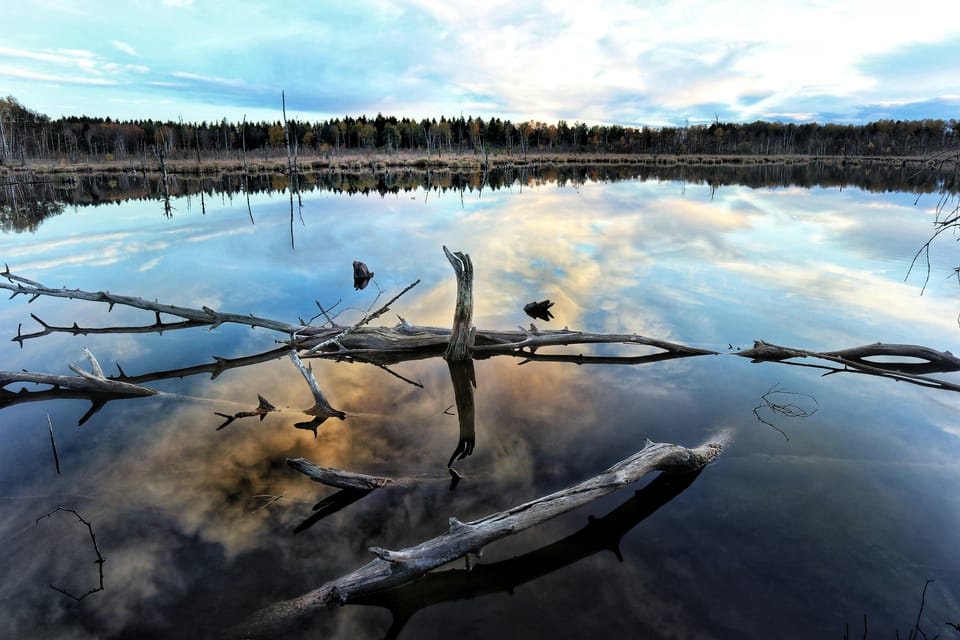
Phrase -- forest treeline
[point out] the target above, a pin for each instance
(26, 135)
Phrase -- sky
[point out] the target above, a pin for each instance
(633, 63)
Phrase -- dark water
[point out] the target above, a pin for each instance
(845, 514)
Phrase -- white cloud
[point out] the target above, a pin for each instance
(123, 46)
(624, 63)
(65, 79)
(230, 82)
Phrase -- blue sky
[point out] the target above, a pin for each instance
(654, 63)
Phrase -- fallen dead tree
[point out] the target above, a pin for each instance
(382, 346)
(395, 568)
(459, 346)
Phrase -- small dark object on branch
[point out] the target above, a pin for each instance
(539, 310)
(361, 275)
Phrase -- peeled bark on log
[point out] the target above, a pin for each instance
(394, 568)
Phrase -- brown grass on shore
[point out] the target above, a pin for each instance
(360, 161)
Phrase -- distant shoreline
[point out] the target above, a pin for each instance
(354, 161)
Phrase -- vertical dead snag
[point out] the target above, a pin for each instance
(463, 332)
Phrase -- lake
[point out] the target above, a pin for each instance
(833, 503)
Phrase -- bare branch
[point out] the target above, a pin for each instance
(363, 321)
(321, 408)
(93, 539)
(204, 316)
(855, 359)
(788, 409)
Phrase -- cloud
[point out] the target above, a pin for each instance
(123, 46)
(629, 64)
(150, 264)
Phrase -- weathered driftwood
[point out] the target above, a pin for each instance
(92, 386)
(378, 345)
(337, 477)
(601, 534)
(394, 568)
(386, 345)
(460, 345)
(856, 359)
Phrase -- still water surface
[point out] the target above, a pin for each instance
(844, 515)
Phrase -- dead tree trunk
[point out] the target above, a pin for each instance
(463, 333)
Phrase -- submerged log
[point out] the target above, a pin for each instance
(337, 477)
(394, 568)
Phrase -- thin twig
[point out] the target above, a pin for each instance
(789, 409)
(363, 321)
(916, 631)
(93, 538)
(268, 502)
(53, 444)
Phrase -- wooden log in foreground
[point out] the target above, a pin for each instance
(394, 568)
